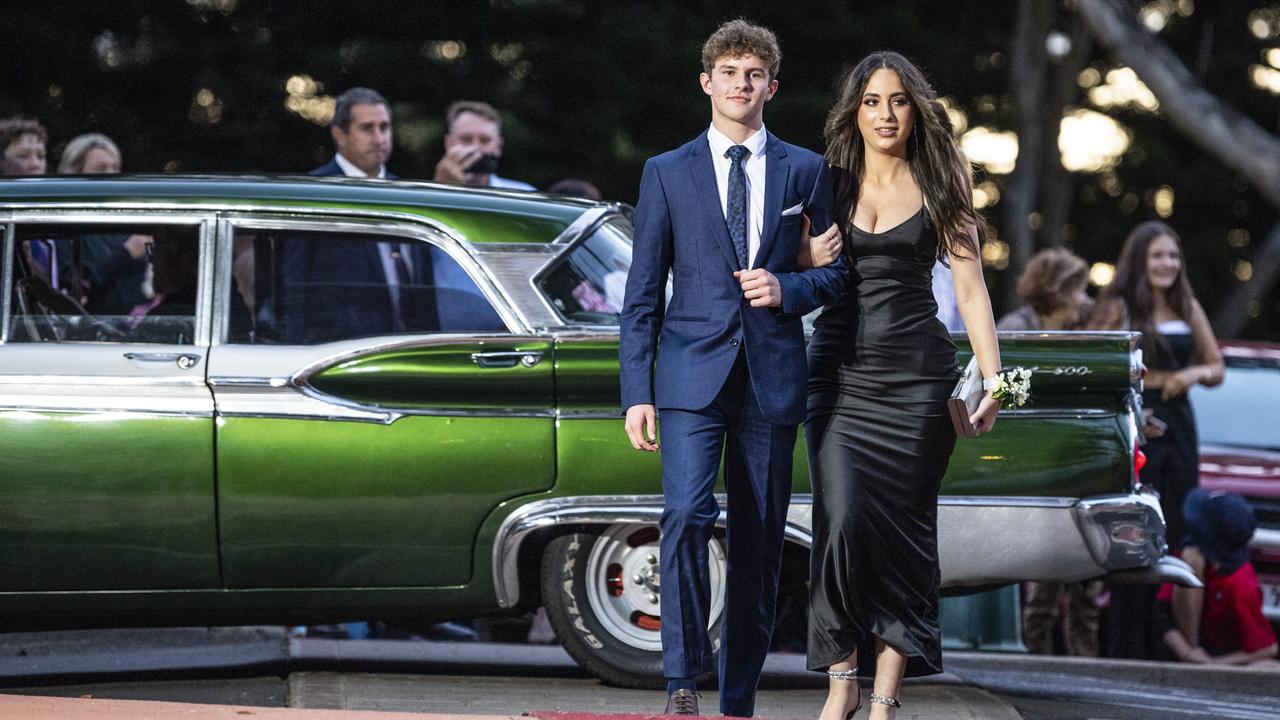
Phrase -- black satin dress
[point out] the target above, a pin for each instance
(1173, 459)
(1173, 468)
(881, 367)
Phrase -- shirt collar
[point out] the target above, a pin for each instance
(350, 170)
(720, 143)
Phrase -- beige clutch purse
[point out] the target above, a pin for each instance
(965, 399)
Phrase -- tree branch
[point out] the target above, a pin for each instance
(1238, 142)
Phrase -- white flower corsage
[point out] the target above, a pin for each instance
(1011, 386)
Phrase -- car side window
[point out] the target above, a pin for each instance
(302, 287)
(586, 284)
(81, 282)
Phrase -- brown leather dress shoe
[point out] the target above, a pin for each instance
(682, 702)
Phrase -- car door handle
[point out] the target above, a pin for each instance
(185, 361)
(506, 358)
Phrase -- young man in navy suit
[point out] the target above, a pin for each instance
(723, 215)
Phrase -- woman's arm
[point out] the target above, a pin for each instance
(975, 310)
(1207, 366)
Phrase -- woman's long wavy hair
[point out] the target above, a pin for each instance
(939, 168)
(1132, 287)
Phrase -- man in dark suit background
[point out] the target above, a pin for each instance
(343, 287)
(723, 216)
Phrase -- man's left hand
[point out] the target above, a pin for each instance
(760, 287)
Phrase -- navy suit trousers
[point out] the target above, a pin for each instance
(757, 471)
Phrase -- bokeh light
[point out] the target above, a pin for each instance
(1090, 141)
(996, 151)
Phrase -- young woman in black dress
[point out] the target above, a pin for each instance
(881, 369)
(1151, 293)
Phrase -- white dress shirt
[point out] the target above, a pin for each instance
(754, 167)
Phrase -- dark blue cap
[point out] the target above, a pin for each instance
(1221, 525)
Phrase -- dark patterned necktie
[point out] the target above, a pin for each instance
(736, 210)
(407, 319)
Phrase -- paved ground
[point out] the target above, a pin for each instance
(258, 672)
(47, 708)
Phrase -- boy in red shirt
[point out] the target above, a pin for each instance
(1221, 623)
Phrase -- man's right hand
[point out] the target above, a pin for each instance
(452, 168)
(641, 418)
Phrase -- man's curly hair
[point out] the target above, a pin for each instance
(738, 38)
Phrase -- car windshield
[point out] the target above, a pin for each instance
(1244, 410)
(586, 284)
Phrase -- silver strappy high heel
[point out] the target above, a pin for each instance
(850, 675)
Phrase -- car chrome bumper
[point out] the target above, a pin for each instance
(982, 541)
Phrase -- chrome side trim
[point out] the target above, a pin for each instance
(1166, 569)
(1068, 413)
(1003, 501)
(584, 510)
(981, 540)
(585, 223)
(1266, 539)
(238, 398)
(6, 285)
(1129, 335)
(589, 414)
(292, 396)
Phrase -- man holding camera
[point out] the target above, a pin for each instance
(472, 147)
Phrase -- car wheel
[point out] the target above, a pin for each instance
(601, 592)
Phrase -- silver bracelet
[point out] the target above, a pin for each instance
(988, 383)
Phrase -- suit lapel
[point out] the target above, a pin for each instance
(776, 173)
(703, 173)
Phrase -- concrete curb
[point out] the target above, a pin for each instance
(27, 658)
(1212, 678)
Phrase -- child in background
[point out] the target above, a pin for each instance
(1221, 623)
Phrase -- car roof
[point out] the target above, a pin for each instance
(491, 215)
(1246, 353)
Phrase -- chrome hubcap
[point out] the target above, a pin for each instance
(624, 584)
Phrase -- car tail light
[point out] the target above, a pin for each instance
(1139, 460)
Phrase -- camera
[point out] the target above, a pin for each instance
(484, 165)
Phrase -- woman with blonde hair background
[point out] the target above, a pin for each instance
(90, 154)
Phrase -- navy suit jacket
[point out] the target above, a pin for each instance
(680, 229)
(339, 288)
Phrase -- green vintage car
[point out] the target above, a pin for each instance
(305, 400)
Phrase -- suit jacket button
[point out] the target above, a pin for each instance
(733, 342)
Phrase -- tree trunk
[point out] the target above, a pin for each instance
(1238, 142)
(1027, 75)
(1057, 184)
(1233, 313)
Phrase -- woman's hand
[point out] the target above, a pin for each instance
(985, 417)
(820, 250)
(825, 248)
(1176, 384)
